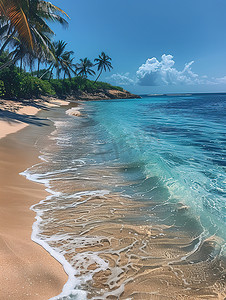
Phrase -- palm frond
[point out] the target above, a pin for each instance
(13, 10)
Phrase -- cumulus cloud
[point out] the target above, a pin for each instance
(156, 72)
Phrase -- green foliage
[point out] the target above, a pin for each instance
(66, 87)
(44, 73)
(106, 86)
(22, 85)
(11, 78)
(61, 87)
(33, 87)
(2, 88)
(19, 84)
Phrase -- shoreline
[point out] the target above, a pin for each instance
(16, 115)
(13, 156)
(20, 256)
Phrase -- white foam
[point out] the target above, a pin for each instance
(100, 193)
(71, 286)
(71, 289)
(42, 157)
(75, 111)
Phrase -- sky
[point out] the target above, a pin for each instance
(156, 46)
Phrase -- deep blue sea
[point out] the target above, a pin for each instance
(166, 157)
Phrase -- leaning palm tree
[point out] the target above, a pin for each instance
(103, 63)
(84, 68)
(28, 21)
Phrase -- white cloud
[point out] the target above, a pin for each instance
(154, 72)
(122, 79)
(158, 73)
(221, 80)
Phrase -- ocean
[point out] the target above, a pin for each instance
(137, 197)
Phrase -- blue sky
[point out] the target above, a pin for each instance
(151, 41)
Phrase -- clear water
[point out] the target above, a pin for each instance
(179, 140)
(157, 162)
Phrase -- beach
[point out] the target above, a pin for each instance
(115, 216)
(27, 271)
(112, 150)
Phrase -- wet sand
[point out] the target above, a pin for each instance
(143, 261)
(105, 237)
(27, 271)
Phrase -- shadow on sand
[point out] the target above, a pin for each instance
(15, 117)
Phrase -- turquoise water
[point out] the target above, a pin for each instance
(178, 142)
(135, 186)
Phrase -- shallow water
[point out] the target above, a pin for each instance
(137, 204)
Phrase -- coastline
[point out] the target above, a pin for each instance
(50, 279)
(102, 95)
(18, 114)
(20, 256)
(25, 266)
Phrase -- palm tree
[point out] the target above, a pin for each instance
(13, 10)
(103, 63)
(84, 68)
(19, 54)
(28, 22)
(68, 66)
(61, 60)
(40, 13)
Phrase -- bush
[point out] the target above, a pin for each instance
(22, 85)
(58, 87)
(2, 89)
(46, 87)
(32, 86)
(106, 86)
(11, 80)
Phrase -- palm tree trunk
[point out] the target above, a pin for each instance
(21, 64)
(46, 72)
(98, 75)
(51, 73)
(6, 42)
(9, 63)
(38, 67)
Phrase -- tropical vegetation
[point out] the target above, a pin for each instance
(32, 63)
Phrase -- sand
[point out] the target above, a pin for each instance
(27, 271)
(10, 125)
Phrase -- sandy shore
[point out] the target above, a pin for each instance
(27, 271)
(16, 115)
